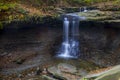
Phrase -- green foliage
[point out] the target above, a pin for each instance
(21, 10)
(88, 1)
(9, 11)
(7, 6)
(117, 2)
(1, 25)
(45, 3)
(85, 79)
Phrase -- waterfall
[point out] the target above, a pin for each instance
(66, 30)
(85, 9)
(73, 29)
(65, 44)
(70, 45)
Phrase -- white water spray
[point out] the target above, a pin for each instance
(70, 45)
(85, 9)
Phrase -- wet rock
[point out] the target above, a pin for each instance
(33, 73)
(44, 71)
(101, 18)
(4, 54)
(10, 54)
(95, 15)
(62, 67)
(31, 79)
(59, 10)
(19, 61)
(38, 71)
(54, 70)
(82, 72)
(67, 68)
(48, 78)
(110, 74)
(20, 76)
(64, 71)
(29, 75)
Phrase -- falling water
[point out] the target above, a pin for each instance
(73, 29)
(80, 9)
(66, 30)
(65, 44)
(85, 9)
(70, 45)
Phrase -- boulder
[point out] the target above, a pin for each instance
(111, 74)
(67, 68)
(64, 71)
(47, 77)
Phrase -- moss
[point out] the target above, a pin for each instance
(19, 61)
(21, 10)
(7, 6)
(84, 79)
(111, 77)
(1, 26)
